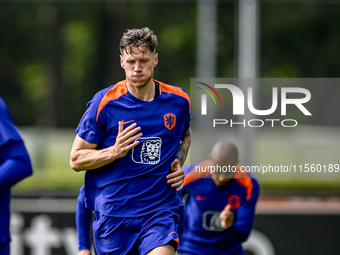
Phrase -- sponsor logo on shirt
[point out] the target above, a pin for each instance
(211, 221)
(148, 151)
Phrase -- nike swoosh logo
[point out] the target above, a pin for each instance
(173, 232)
(126, 122)
(200, 198)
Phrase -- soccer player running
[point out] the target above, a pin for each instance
(219, 211)
(132, 141)
(15, 165)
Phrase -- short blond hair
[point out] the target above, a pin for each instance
(144, 39)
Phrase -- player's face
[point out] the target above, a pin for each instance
(139, 66)
(221, 179)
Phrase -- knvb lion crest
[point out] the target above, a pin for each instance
(169, 121)
(148, 151)
(234, 201)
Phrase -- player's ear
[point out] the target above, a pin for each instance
(155, 59)
(121, 61)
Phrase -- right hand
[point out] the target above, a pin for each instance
(84, 252)
(126, 139)
(227, 217)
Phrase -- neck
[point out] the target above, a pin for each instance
(145, 93)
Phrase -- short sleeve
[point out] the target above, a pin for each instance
(90, 127)
(8, 131)
(189, 115)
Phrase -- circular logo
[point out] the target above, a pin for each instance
(234, 201)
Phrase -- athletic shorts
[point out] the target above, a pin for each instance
(4, 248)
(135, 235)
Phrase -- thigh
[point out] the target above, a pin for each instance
(115, 235)
(159, 233)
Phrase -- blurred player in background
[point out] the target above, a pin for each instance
(219, 206)
(132, 141)
(15, 165)
(83, 223)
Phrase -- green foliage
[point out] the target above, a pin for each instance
(54, 56)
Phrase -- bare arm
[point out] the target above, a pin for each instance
(84, 252)
(184, 147)
(177, 175)
(85, 156)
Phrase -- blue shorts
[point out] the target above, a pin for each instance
(134, 236)
(4, 248)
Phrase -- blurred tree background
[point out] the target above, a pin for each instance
(54, 56)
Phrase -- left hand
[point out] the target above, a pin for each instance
(177, 175)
